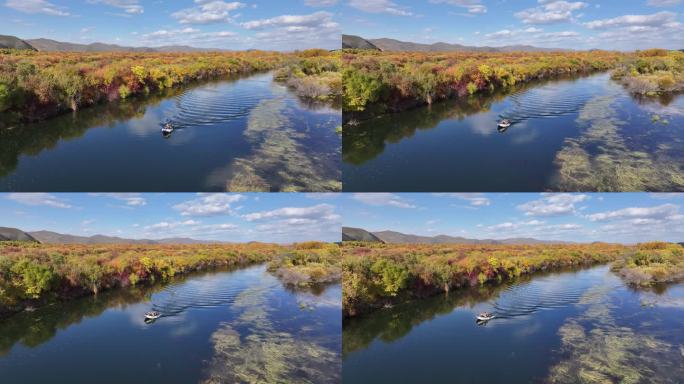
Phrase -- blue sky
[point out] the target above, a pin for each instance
(268, 217)
(606, 24)
(612, 217)
(263, 24)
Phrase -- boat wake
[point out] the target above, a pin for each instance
(547, 101)
(221, 103)
(206, 292)
(540, 294)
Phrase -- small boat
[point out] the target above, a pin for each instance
(152, 315)
(485, 316)
(505, 123)
(167, 128)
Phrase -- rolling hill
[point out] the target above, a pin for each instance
(14, 43)
(13, 234)
(48, 45)
(49, 237)
(385, 44)
(393, 237)
(358, 234)
(350, 41)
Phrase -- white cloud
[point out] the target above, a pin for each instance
(37, 199)
(170, 225)
(128, 6)
(472, 6)
(316, 212)
(312, 20)
(553, 204)
(209, 205)
(36, 6)
(380, 6)
(664, 3)
(320, 3)
(660, 212)
(131, 199)
(550, 12)
(383, 199)
(653, 20)
(475, 199)
(207, 12)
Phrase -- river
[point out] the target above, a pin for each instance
(239, 134)
(569, 134)
(567, 327)
(220, 327)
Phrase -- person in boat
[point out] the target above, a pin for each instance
(168, 127)
(485, 316)
(152, 315)
(505, 123)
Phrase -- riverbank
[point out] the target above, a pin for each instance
(39, 85)
(34, 274)
(376, 83)
(381, 275)
(651, 264)
(652, 72)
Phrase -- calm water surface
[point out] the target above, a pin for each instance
(583, 133)
(238, 326)
(548, 328)
(241, 134)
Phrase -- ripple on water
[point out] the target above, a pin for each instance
(547, 102)
(208, 292)
(542, 294)
(221, 103)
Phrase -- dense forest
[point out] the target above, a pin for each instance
(377, 275)
(378, 82)
(37, 85)
(33, 273)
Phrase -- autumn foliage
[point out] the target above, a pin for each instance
(35, 85)
(32, 272)
(374, 275)
(397, 80)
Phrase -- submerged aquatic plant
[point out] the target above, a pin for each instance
(252, 350)
(601, 158)
(279, 162)
(596, 349)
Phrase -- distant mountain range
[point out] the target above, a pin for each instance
(47, 45)
(385, 44)
(48, 237)
(392, 237)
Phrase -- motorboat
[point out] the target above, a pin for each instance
(505, 123)
(167, 128)
(152, 315)
(484, 316)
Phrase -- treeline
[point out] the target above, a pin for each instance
(394, 81)
(652, 72)
(375, 275)
(652, 263)
(31, 273)
(37, 85)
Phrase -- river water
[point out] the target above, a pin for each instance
(223, 327)
(240, 134)
(572, 134)
(570, 327)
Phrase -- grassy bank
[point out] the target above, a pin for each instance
(314, 75)
(308, 263)
(652, 263)
(652, 72)
(375, 275)
(377, 82)
(32, 274)
(38, 85)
